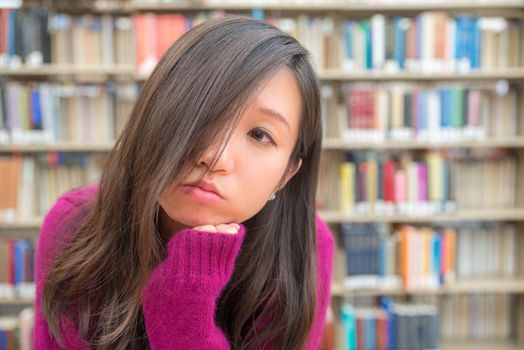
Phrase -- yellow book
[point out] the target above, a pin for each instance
(347, 187)
(435, 170)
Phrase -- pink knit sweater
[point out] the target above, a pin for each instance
(178, 304)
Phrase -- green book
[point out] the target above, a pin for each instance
(349, 325)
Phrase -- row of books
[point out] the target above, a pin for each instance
(51, 111)
(17, 268)
(426, 183)
(487, 250)
(426, 257)
(46, 112)
(32, 184)
(32, 37)
(424, 323)
(17, 331)
(477, 317)
(434, 112)
(433, 41)
(392, 325)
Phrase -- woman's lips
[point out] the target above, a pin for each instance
(200, 193)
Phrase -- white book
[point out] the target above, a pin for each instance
(108, 57)
(378, 43)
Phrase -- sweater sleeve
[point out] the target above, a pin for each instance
(179, 299)
(47, 249)
(325, 251)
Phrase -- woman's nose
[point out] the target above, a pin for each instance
(224, 163)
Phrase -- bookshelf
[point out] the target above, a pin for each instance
(334, 76)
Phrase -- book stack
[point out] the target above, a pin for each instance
(429, 113)
(49, 112)
(424, 257)
(17, 268)
(16, 332)
(426, 183)
(34, 183)
(393, 325)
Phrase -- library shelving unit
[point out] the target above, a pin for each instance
(336, 146)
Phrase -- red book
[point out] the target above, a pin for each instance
(170, 28)
(145, 41)
(370, 109)
(389, 181)
(10, 261)
(3, 29)
(382, 331)
(361, 335)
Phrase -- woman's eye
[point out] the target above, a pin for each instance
(259, 134)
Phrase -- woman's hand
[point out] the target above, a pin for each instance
(224, 228)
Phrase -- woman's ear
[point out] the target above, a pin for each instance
(293, 171)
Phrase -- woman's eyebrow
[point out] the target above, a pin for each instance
(272, 113)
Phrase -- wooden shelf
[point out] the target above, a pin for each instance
(512, 214)
(480, 345)
(466, 345)
(58, 147)
(17, 301)
(29, 224)
(493, 285)
(498, 7)
(129, 72)
(507, 142)
(55, 70)
(328, 144)
(515, 214)
(340, 75)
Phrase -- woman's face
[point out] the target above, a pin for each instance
(249, 169)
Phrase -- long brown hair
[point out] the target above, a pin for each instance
(194, 97)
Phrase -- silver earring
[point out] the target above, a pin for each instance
(272, 197)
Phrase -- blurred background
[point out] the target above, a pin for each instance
(422, 176)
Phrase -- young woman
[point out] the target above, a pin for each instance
(202, 233)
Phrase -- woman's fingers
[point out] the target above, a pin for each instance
(208, 228)
(224, 228)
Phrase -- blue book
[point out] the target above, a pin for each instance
(257, 13)
(463, 37)
(475, 44)
(437, 242)
(11, 34)
(3, 339)
(365, 27)
(19, 257)
(36, 110)
(400, 42)
(348, 38)
(458, 37)
(440, 94)
(370, 331)
(418, 37)
(448, 107)
(444, 107)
